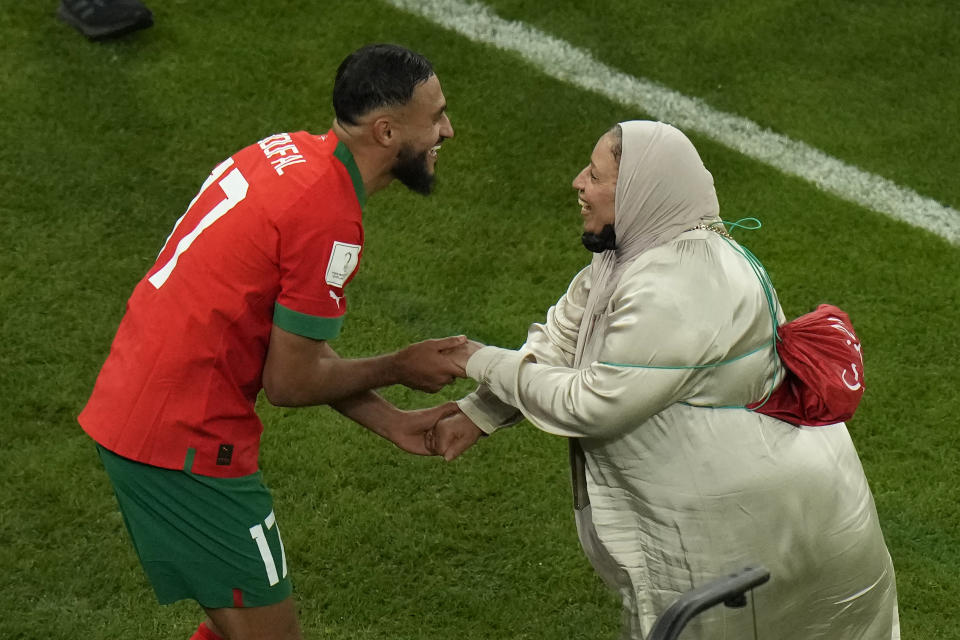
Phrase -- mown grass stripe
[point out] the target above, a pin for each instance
(559, 59)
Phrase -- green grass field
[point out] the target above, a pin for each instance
(103, 145)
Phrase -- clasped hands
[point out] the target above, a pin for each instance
(433, 364)
(429, 366)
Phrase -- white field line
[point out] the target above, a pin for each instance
(559, 59)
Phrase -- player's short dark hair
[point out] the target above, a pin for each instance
(374, 76)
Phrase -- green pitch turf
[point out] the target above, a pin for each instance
(103, 145)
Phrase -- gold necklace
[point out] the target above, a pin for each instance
(712, 227)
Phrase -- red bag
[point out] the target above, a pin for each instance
(824, 381)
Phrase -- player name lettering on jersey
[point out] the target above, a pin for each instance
(281, 148)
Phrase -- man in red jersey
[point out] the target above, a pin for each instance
(244, 295)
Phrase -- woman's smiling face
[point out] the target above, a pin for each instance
(596, 186)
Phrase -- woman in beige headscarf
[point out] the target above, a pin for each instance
(645, 364)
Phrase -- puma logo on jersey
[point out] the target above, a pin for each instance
(336, 298)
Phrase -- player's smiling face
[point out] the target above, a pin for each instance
(596, 186)
(424, 125)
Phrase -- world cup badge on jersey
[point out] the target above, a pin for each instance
(343, 260)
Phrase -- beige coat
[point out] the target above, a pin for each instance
(682, 491)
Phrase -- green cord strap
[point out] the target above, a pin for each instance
(755, 224)
(692, 366)
(767, 285)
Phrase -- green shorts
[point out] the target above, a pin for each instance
(213, 540)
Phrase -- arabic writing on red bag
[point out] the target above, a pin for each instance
(824, 381)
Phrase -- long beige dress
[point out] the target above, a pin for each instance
(680, 490)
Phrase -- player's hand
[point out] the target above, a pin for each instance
(453, 435)
(414, 431)
(424, 366)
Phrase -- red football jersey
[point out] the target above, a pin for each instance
(274, 236)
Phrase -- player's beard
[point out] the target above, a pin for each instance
(412, 172)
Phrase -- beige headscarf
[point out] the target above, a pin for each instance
(663, 189)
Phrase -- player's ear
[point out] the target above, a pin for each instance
(384, 132)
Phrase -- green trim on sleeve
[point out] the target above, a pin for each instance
(188, 460)
(342, 153)
(306, 325)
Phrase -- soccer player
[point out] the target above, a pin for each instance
(244, 295)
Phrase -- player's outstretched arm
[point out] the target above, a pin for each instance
(301, 371)
(412, 431)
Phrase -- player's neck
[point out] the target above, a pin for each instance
(373, 161)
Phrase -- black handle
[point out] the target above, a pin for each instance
(731, 590)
